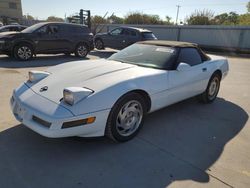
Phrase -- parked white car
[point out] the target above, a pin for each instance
(112, 96)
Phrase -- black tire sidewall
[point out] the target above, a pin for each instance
(205, 96)
(76, 50)
(23, 45)
(111, 123)
(102, 47)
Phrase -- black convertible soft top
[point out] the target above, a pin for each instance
(176, 44)
(170, 43)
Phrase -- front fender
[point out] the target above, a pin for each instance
(23, 40)
(108, 96)
(101, 100)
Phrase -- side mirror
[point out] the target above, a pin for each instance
(183, 67)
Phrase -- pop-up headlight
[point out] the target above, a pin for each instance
(35, 76)
(73, 95)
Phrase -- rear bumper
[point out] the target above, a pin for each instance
(49, 123)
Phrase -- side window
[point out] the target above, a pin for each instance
(117, 31)
(48, 29)
(53, 29)
(42, 29)
(133, 33)
(189, 56)
(125, 32)
(6, 29)
(13, 29)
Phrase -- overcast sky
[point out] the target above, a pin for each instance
(43, 9)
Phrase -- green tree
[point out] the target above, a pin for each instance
(168, 21)
(134, 18)
(98, 20)
(248, 6)
(230, 18)
(28, 17)
(54, 19)
(115, 19)
(140, 18)
(244, 19)
(154, 19)
(200, 17)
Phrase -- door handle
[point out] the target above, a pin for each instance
(204, 69)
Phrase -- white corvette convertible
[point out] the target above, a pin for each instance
(112, 96)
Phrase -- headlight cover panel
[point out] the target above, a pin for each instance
(73, 95)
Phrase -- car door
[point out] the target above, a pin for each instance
(47, 39)
(190, 81)
(130, 37)
(114, 39)
(63, 37)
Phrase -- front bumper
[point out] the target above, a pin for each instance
(5, 48)
(49, 121)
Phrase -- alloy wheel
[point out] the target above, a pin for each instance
(129, 118)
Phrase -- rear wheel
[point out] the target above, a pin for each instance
(126, 118)
(212, 89)
(23, 52)
(99, 44)
(81, 50)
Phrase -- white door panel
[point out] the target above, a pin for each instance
(188, 83)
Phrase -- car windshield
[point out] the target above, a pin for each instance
(32, 28)
(152, 56)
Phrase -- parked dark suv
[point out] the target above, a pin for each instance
(47, 38)
(122, 37)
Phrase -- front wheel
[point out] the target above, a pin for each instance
(99, 44)
(212, 89)
(126, 118)
(81, 50)
(23, 52)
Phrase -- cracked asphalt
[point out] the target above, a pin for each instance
(184, 145)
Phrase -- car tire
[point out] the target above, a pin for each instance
(99, 44)
(212, 90)
(126, 118)
(81, 50)
(23, 52)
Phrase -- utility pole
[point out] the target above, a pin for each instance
(178, 7)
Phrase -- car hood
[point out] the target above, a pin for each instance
(93, 74)
(9, 34)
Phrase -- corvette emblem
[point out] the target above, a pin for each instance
(45, 88)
